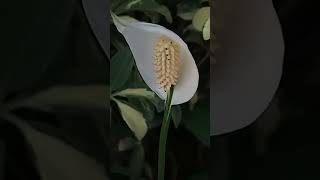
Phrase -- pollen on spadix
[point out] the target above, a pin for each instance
(167, 62)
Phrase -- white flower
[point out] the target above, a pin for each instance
(162, 58)
(249, 62)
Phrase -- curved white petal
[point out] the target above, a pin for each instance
(141, 38)
(249, 63)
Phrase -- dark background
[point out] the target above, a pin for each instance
(45, 44)
(284, 142)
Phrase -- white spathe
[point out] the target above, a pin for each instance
(141, 38)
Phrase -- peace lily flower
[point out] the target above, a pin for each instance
(249, 62)
(165, 64)
(162, 58)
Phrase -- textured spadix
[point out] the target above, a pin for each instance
(167, 62)
(148, 42)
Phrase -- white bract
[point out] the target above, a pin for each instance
(162, 58)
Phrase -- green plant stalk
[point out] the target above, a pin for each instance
(163, 136)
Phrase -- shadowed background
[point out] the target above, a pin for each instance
(53, 93)
(283, 142)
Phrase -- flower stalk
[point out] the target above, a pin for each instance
(163, 135)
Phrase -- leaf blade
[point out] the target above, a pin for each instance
(200, 18)
(121, 67)
(206, 30)
(136, 92)
(134, 119)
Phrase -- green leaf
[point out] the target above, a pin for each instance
(187, 15)
(138, 92)
(142, 99)
(158, 103)
(154, 17)
(143, 6)
(206, 30)
(121, 66)
(136, 162)
(145, 106)
(90, 96)
(163, 10)
(176, 115)
(134, 119)
(200, 18)
(143, 92)
(56, 159)
(187, 9)
(116, 4)
(147, 109)
(197, 122)
(128, 19)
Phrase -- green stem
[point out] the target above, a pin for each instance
(163, 136)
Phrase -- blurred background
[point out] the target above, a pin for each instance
(53, 93)
(283, 143)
